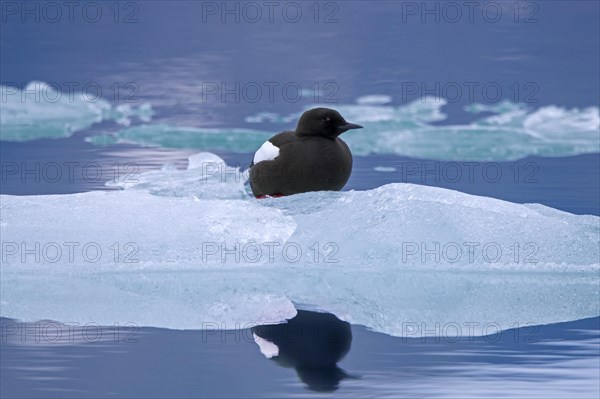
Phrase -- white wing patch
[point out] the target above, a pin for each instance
(266, 152)
(267, 348)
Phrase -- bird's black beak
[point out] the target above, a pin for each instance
(347, 126)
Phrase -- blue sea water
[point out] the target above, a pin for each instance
(499, 101)
(549, 361)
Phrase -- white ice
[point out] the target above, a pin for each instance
(40, 111)
(392, 258)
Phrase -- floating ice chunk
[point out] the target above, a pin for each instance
(553, 121)
(425, 110)
(312, 93)
(513, 133)
(384, 169)
(375, 99)
(498, 108)
(409, 255)
(207, 176)
(271, 117)
(40, 111)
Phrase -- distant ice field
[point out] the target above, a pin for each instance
(514, 131)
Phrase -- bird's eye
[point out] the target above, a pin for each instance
(327, 119)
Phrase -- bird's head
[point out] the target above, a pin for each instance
(323, 122)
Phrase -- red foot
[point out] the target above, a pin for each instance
(269, 196)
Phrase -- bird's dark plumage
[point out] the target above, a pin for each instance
(311, 158)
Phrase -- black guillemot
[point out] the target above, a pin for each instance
(311, 158)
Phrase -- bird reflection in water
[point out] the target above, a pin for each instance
(312, 343)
